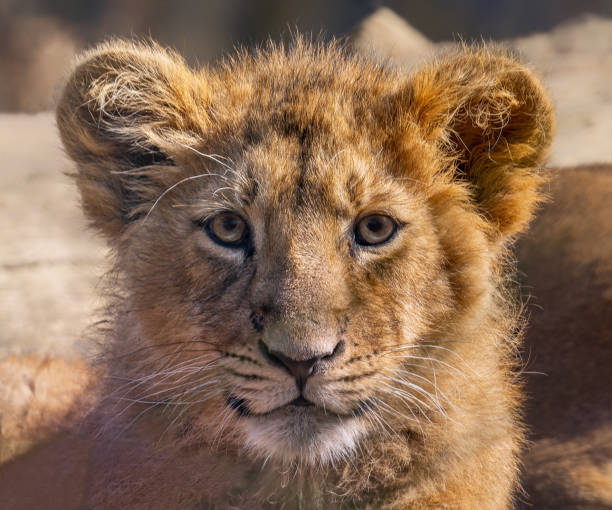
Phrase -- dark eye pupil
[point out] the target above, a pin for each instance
(230, 223)
(374, 225)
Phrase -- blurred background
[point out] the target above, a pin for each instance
(38, 37)
(50, 265)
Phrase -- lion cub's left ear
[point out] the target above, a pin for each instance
(493, 123)
(127, 112)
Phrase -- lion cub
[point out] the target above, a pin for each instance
(311, 252)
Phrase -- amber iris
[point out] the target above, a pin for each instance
(374, 229)
(227, 229)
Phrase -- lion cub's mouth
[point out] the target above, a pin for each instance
(240, 405)
(300, 402)
(290, 408)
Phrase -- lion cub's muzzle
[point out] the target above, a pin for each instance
(302, 369)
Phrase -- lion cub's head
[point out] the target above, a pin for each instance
(306, 240)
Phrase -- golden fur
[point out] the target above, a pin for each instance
(416, 398)
(37, 396)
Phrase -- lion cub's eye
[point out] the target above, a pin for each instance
(227, 229)
(374, 229)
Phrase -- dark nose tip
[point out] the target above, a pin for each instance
(300, 369)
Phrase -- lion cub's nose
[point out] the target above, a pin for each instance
(300, 369)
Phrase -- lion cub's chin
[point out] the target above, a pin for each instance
(302, 435)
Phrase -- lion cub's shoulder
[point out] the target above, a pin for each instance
(39, 395)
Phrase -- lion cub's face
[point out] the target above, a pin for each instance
(301, 279)
(293, 234)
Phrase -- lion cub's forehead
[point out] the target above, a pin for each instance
(285, 176)
(304, 132)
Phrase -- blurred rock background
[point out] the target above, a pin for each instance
(49, 264)
(38, 37)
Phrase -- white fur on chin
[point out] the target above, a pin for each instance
(301, 437)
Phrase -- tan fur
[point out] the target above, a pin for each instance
(42, 402)
(37, 398)
(418, 406)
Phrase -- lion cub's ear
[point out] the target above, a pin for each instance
(126, 108)
(493, 123)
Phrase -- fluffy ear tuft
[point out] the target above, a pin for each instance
(493, 122)
(125, 107)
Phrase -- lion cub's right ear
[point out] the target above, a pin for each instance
(127, 108)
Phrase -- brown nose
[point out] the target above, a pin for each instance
(300, 369)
